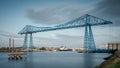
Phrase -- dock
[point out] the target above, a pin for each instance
(14, 54)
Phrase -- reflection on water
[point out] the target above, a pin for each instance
(28, 62)
(88, 60)
(54, 60)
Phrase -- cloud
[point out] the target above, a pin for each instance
(60, 13)
(45, 16)
(9, 34)
(108, 10)
(57, 40)
(4, 38)
(110, 7)
(62, 40)
(53, 40)
(69, 36)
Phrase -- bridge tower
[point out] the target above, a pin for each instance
(86, 21)
(89, 43)
(25, 44)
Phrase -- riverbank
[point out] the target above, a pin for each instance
(111, 62)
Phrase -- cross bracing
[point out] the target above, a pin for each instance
(84, 21)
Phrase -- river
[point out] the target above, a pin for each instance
(54, 60)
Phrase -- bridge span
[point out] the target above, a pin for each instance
(84, 21)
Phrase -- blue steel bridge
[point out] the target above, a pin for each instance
(84, 21)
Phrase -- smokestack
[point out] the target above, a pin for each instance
(13, 43)
(9, 45)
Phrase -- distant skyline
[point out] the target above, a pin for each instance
(15, 14)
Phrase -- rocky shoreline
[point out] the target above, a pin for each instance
(112, 61)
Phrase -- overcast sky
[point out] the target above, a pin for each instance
(15, 14)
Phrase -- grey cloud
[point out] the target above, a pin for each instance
(9, 34)
(63, 40)
(106, 9)
(69, 37)
(45, 16)
(109, 10)
(57, 14)
(110, 7)
(4, 38)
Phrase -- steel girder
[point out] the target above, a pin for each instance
(78, 22)
(84, 21)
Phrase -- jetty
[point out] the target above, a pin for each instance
(14, 54)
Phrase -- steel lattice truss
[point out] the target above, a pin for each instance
(78, 22)
(84, 21)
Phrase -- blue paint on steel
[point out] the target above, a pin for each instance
(78, 22)
(31, 41)
(25, 42)
(84, 21)
(86, 39)
(91, 40)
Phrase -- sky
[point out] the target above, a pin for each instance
(15, 14)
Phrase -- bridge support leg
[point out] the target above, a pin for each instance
(86, 39)
(25, 42)
(91, 39)
(31, 41)
(89, 43)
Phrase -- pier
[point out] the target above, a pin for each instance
(13, 54)
(16, 56)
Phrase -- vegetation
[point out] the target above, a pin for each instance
(42, 48)
(112, 62)
(4, 48)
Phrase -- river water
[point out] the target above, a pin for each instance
(54, 60)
